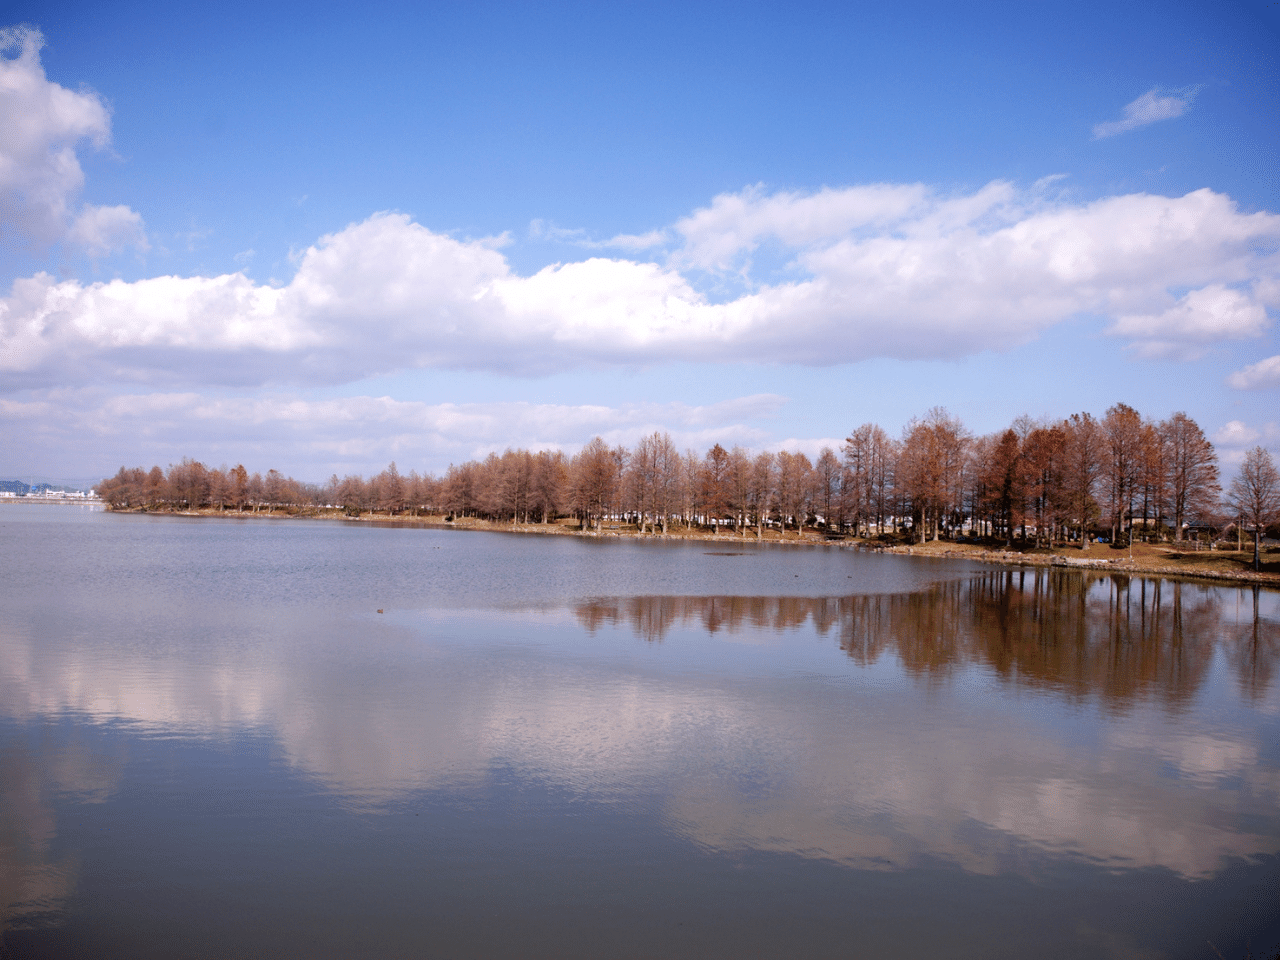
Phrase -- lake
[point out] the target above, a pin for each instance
(248, 738)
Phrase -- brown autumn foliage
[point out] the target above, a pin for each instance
(1035, 483)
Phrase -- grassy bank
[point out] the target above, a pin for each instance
(1163, 560)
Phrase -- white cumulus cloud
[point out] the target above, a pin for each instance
(1258, 376)
(1236, 434)
(43, 123)
(886, 272)
(1235, 437)
(103, 230)
(1151, 107)
(737, 222)
(1209, 315)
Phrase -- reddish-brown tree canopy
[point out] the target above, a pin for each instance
(1042, 480)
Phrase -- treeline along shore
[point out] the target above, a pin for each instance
(1038, 486)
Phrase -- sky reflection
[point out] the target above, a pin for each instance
(618, 744)
(1020, 721)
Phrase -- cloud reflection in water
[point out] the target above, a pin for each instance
(1010, 719)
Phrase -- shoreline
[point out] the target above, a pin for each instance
(1163, 561)
(1140, 566)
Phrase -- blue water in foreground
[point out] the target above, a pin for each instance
(226, 738)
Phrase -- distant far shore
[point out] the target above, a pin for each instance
(1187, 560)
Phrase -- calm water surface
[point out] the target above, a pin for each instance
(304, 739)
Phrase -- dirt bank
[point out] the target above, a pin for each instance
(1164, 560)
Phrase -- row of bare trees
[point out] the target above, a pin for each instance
(653, 486)
(190, 485)
(1051, 478)
(1046, 481)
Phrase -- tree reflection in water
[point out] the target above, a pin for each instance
(1116, 637)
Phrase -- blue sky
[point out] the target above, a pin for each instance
(321, 239)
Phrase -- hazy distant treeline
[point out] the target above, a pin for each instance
(1036, 479)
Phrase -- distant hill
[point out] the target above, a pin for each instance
(14, 486)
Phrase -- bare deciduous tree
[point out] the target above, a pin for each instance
(763, 482)
(1044, 474)
(714, 485)
(1192, 473)
(931, 468)
(1083, 458)
(827, 474)
(858, 454)
(795, 486)
(1004, 483)
(595, 480)
(1255, 495)
(550, 483)
(1122, 466)
(666, 477)
(640, 480)
(740, 487)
